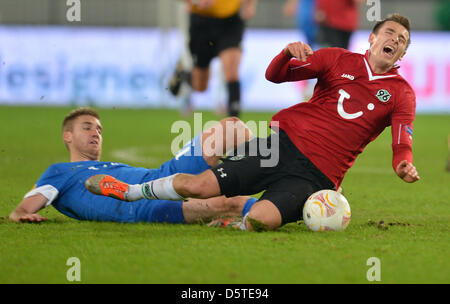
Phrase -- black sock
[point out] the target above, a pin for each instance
(234, 98)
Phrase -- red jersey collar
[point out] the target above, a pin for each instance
(393, 70)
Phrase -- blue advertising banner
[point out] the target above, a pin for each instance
(131, 67)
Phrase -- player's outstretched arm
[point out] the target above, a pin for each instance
(407, 172)
(402, 157)
(26, 210)
(284, 68)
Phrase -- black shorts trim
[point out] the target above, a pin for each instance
(209, 36)
(333, 37)
(287, 184)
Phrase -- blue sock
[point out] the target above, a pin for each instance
(162, 211)
(248, 205)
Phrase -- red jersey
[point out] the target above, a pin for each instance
(340, 14)
(350, 107)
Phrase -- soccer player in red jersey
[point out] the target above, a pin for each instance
(337, 20)
(315, 143)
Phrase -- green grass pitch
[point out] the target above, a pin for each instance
(412, 245)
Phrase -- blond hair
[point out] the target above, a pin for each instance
(68, 120)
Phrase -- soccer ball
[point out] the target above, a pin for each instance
(326, 210)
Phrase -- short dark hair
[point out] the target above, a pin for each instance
(67, 123)
(402, 20)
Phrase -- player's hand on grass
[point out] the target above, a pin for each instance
(27, 218)
(32, 218)
(299, 50)
(407, 172)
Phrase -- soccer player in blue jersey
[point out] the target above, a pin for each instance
(62, 185)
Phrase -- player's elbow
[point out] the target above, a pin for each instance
(272, 77)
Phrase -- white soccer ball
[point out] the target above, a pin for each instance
(326, 210)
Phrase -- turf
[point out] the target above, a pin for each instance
(406, 226)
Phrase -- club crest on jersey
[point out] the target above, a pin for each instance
(236, 157)
(383, 95)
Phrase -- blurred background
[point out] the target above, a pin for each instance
(117, 53)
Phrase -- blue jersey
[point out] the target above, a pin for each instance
(305, 21)
(64, 185)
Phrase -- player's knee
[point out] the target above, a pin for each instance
(258, 223)
(231, 119)
(235, 130)
(261, 218)
(200, 86)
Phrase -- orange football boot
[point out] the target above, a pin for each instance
(226, 222)
(102, 184)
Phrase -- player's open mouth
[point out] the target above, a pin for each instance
(94, 142)
(389, 50)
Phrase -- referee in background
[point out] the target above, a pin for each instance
(216, 28)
